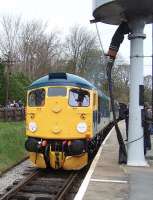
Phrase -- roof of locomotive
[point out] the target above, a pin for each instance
(61, 79)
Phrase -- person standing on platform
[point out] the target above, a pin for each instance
(147, 121)
(126, 114)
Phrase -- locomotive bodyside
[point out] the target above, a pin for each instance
(64, 114)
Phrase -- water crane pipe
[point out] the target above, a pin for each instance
(113, 49)
(117, 39)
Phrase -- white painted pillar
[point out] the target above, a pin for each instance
(136, 149)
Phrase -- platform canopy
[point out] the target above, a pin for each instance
(114, 11)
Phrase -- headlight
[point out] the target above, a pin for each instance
(82, 127)
(32, 126)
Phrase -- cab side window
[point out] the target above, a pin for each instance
(36, 98)
(79, 98)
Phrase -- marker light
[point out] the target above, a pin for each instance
(32, 126)
(82, 127)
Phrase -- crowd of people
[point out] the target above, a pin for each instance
(16, 104)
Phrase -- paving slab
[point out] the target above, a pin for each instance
(141, 179)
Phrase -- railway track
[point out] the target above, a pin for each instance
(49, 184)
(42, 185)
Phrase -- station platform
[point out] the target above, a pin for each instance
(107, 180)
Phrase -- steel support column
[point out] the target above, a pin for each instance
(136, 148)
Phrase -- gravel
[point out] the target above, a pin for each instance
(16, 173)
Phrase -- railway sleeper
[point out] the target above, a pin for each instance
(40, 189)
(31, 196)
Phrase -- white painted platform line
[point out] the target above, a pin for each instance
(85, 183)
(107, 181)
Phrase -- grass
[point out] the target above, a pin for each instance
(12, 138)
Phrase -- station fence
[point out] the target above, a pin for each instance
(12, 114)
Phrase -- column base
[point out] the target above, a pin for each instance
(138, 163)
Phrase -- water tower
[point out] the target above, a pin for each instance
(137, 13)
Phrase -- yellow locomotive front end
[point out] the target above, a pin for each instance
(59, 125)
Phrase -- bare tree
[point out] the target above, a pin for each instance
(120, 76)
(78, 44)
(148, 81)
(32, 33)
(95, 72)
(37, 48)
(9, 34)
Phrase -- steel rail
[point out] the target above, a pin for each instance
(66, 186)
(45, 184)
(16, 188)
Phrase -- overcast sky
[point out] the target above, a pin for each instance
(62, 14)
